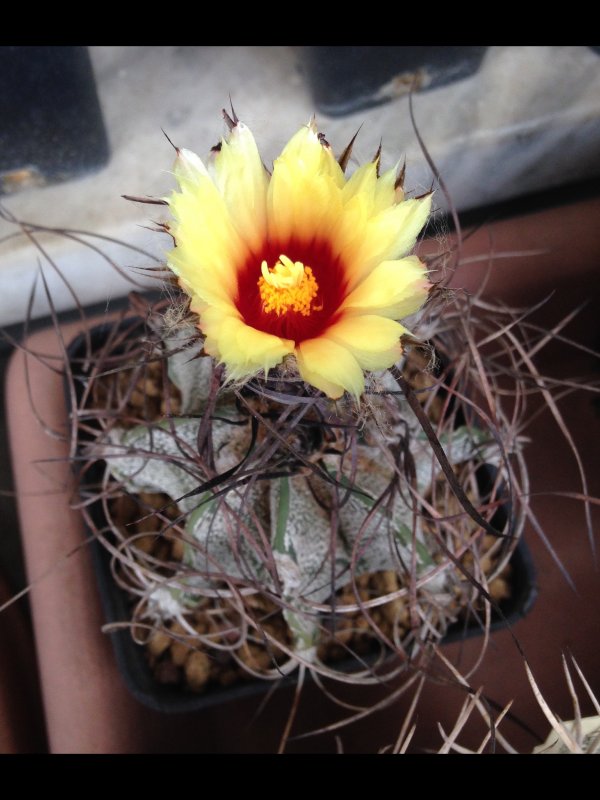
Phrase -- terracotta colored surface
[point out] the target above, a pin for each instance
(21, 717)
(88, 709)
(567, 266)
(75, 660)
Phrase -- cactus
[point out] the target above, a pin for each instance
(301, 532)
(311, 466)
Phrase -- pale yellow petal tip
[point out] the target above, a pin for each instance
(240, 136)
(188, 166)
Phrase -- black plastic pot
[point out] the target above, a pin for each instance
(131, 658)
(52, 127)
(347, 78)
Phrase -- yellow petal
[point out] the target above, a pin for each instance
(373, 341)
(388, 235)
(363, 181)
(330, 167)
(410, 216)
(330, 367)
(347, 228)
(207, 243)
(385, 194)
(188, 168)
(304, 195)
(302, 148)
(242, 180)
(394, 289)
(244, 350)
(205, 284)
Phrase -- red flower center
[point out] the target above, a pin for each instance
(271, 306)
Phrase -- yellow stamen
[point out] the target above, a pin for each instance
(288, 286)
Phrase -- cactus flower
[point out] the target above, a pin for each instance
(302, 265)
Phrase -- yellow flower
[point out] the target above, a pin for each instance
(300, 263)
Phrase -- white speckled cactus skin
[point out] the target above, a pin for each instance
(279, 532)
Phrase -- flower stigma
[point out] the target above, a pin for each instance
(289, 286)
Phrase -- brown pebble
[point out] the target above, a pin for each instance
(151, 388)
(154, 368)
(177, 629)
(499, 589)
(200, 626)
(485, 563)
(171, 511)
(153, 499)
(162, 549)
(151, 524)
(256, 601)
(137, 399)
(395, 609)
(197, 670)
(179, 652)
(159, 642)
(145, 543)
(255, 657)
(200, 613)
(177, 549)
(362, 624)
(125, 509)
(279, 633)
(261, 656)
(344, 636)
(173, 408)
